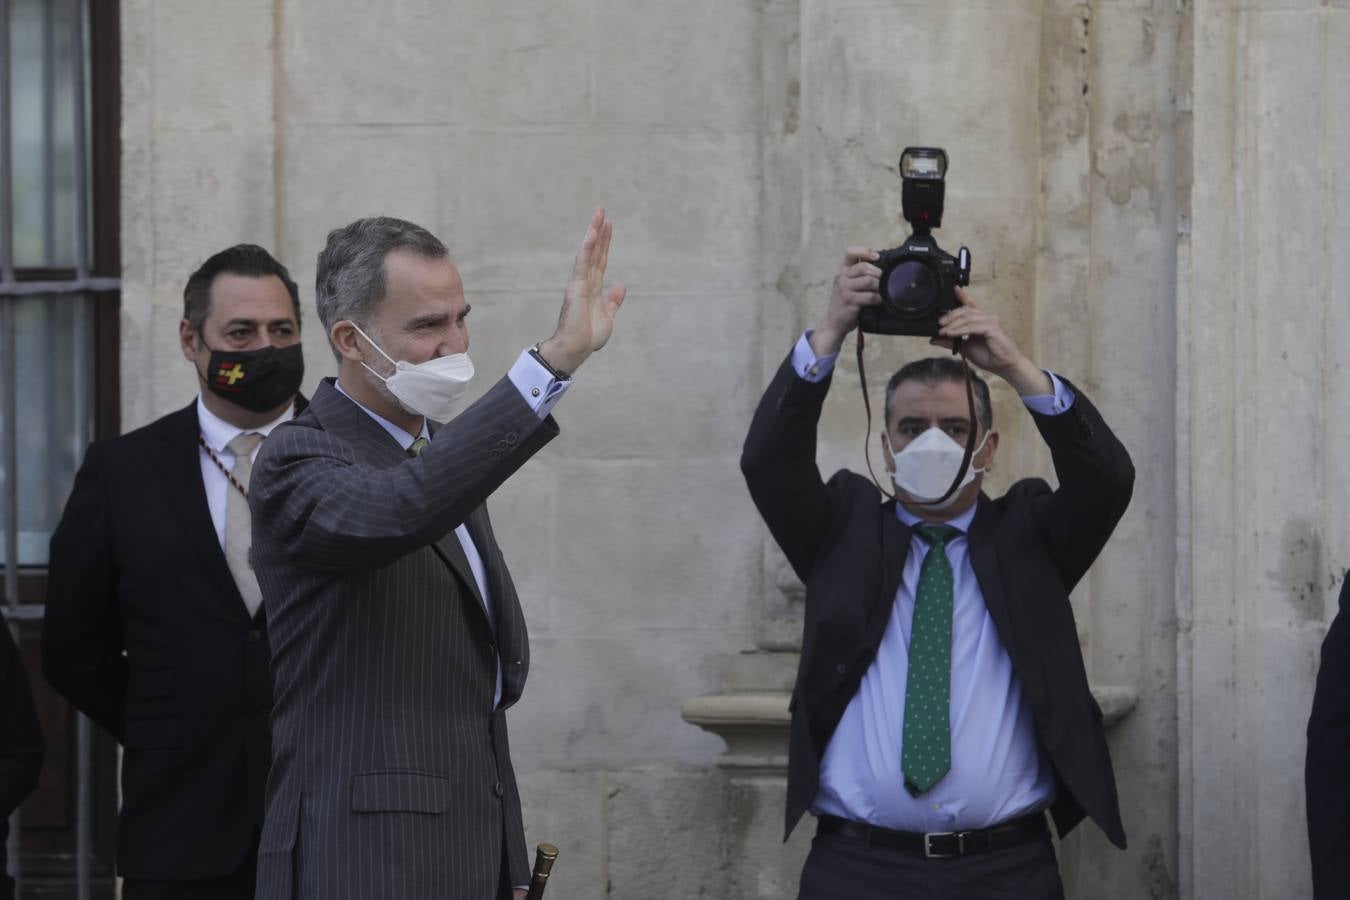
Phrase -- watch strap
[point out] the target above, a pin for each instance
(557, 374)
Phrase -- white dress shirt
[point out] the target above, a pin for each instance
(542, 392)
(999, 770)
(218, 433)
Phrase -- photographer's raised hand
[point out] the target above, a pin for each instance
(989, 347)
(855, 286)
(587, 317)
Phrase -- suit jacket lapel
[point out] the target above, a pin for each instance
(984, 561)
(508, 620)
(499, 583)
(339, 414)
(452, 551)
(180, 461)
(895, 539)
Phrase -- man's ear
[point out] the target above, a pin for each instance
(886, 453)
(990, 450)
(344, 337)
(187, 340)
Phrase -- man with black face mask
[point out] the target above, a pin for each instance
(941, 707)
(154, 625)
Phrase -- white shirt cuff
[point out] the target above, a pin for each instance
(807, 365)
(1051, 404)
(536, 384)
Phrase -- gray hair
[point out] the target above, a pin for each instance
(937, 369)
(350, 279)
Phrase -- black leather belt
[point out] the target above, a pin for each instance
(939, 844)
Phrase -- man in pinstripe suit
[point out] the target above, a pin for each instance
(396, 633)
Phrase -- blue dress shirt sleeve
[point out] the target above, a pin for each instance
(809, 366)
(536, 384)
(1061, 401)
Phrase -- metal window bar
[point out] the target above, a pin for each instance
(10, 290)
(6, 176)
(9, 402)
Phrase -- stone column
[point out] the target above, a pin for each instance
(198, 173)
(1261, 423)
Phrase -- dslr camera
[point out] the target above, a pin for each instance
(918, 278)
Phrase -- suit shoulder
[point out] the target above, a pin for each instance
(302, 436)
(1024, 494)
(1025, 489)
(852, 488)
(181, 424)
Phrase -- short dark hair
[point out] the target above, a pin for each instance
(248, 260)
(937, 369)
(349, 278)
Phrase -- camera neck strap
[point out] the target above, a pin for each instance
(966, 459)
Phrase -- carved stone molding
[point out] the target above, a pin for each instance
(752, 716)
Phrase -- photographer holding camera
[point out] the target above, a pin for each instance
(941, 705)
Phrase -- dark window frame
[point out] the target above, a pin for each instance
(48, 855)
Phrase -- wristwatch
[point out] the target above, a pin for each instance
(558, 374)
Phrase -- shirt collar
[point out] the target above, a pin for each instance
(405, 440)
(218, 433)
(961, 522)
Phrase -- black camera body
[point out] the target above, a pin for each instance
(918, 278)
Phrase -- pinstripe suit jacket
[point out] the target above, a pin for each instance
(391, 775)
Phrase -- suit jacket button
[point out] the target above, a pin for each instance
(254, 636)
(840, 669)
(498, 789)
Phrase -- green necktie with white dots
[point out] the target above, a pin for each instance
(927, 752)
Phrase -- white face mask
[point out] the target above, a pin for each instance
(925, 468)
(429, 389)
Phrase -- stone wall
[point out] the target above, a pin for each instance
(1155, 193)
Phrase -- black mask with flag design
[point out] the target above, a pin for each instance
(257, 380)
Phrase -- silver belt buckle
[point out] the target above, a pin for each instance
(928, 851)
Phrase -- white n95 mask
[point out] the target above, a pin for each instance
(927, 466)
(429, 389)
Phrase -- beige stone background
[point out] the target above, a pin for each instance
(1157, 196)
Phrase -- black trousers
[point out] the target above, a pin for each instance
(839, 867)
(238, 885)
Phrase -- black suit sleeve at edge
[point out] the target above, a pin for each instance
(779, 464)
(1096, 481)
(82, 643)
(1327, 775)
(21, 744)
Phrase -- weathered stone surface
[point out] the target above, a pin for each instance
(614, 702)
(670, 842)
(568, 809)
(763, 866)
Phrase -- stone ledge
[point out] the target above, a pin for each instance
(1116, 701)
(755, 723)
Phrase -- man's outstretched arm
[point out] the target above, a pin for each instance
(779, 456)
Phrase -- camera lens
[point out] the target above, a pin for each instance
(910, 288)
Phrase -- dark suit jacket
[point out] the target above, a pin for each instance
(1028, 549)
(21, 744)
(1327, 776)
(145, 633)
(391, 773)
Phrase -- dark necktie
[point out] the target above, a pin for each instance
(926, 755)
